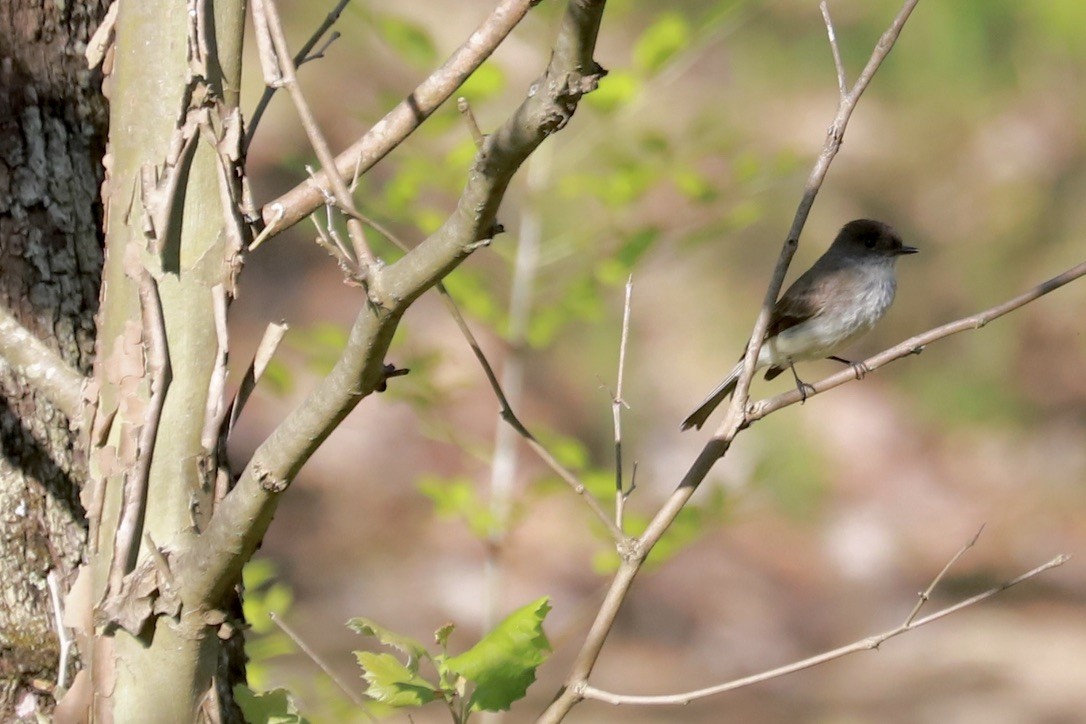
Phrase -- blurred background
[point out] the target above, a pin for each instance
(684, 170)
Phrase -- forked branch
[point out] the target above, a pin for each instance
(867, 644)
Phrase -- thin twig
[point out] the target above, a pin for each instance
(320, 662)
(269, 342)
(925, 595)
(734, 418)
(300, 58)
(407, 116)
(916, 344)
(507, 412)
(534, 445)
(288, 79)
(617, 403)
(503, 467)
(464, 107)
(842, 83)
(867, 644)
(63, 637)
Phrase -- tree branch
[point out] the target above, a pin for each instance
(213, 560)
(401, 121)
(283, 73)
(916, 344)
(867, 644)
(301, 57)
(43, 369)
(836, 133)
(734, 419)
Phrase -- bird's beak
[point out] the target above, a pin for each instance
(907, 250)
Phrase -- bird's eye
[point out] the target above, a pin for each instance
(869, 242)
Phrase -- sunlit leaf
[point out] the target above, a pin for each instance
(388, 637)
(393, 683)
(502, 665)
(487, 81)
(669, 34)
(616, 89)
(408, 39)
(269, 707)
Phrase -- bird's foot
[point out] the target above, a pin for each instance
(859, 369)
(802, 386)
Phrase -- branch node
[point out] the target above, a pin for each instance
(390, 371)
(269, 481)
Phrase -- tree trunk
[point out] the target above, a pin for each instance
(52, 133)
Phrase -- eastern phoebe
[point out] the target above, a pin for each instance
(835, 301)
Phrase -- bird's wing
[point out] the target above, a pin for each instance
(801, 302)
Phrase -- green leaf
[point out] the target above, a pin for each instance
(393, 683)
(617, 268)
(257, 572)
(616, 89)
(661, 41)
(693, 184)
(456, 498)
(408, 39)
(502, 665)
(486, 82)
(469, 292)
(441, 636)
(388, 637)
(269, 707)
(277, 378)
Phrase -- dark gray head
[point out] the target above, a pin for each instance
(866, 237)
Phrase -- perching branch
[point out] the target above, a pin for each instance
(42, 368)
(734, 419)
(867, 644)
(916, 344)
(401, 121)
(212, 561)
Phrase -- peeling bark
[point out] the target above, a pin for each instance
(52, 133)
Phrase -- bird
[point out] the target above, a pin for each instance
(829, 306)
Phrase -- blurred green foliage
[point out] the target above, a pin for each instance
(698, 142)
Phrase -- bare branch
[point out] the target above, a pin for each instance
(867, 644)
(734, 419)
(301, 57)
(273, 335)
(64, 638)
(617, 403)
(401, 121)
(320, 662)
(43, 369)
(925, 595)
(213, 561)
(842, 83)
(511, 418)
(464, 107)
(916, 344)
(288, 79)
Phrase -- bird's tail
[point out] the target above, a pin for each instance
(698, 417)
